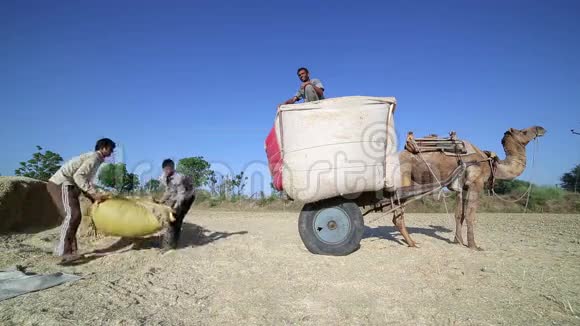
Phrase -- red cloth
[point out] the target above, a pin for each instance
(275, 162)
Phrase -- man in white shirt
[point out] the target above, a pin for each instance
(66, 185)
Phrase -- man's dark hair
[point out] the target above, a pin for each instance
(302, 68)
(167, 162)
(104, 143)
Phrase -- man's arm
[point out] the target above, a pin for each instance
(318, 87)
(184, 191)
(83, 178)
(292, 100)
(167, 194)
(319, 91)
(165, 197)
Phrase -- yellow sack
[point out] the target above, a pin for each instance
(130, 217)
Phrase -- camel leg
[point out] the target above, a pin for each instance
(470, 211)
(399, 221)
(459, 217)
(406, 179)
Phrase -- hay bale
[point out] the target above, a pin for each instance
(25, 205)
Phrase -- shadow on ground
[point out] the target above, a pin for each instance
(192, 235)
(195, 235)
(389, 232)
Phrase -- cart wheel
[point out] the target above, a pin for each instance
(331, 227)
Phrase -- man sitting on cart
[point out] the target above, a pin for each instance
(310, 89)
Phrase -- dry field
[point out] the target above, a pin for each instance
(251, 268)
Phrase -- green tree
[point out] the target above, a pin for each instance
(116, 176)
(41, 166)
(212, 182)
(130, 182)
(111, 175)
(225, 187)
(570, 180)
(239, 183)
(152, 185)
(502, 187)
(195, 167)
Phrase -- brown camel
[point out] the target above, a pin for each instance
(429, 167)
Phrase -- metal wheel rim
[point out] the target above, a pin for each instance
(331, 225)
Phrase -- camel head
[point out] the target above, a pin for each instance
(524, 136)
(514, 143)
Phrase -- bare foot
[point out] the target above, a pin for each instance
(476, 248)
(457, 241)
(167, 251)
(69, 258)
(414, 245)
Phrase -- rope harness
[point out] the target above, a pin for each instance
(528, 191)
(491, 159)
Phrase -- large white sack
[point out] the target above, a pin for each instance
(338, 146)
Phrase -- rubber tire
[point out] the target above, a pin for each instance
(316, 246)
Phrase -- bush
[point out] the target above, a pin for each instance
(502, 187)
(265, 201)
(214, 202)
(202, 195)
(542, 196)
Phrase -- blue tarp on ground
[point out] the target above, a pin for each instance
(15, 282)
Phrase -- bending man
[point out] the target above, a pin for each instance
(67, 184)
(179, 195)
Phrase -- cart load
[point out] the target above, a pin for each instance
(334, 147)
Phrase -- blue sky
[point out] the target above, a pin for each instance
(188, 78)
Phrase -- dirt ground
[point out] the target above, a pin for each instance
(251, 268)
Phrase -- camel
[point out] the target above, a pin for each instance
(429, 167)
